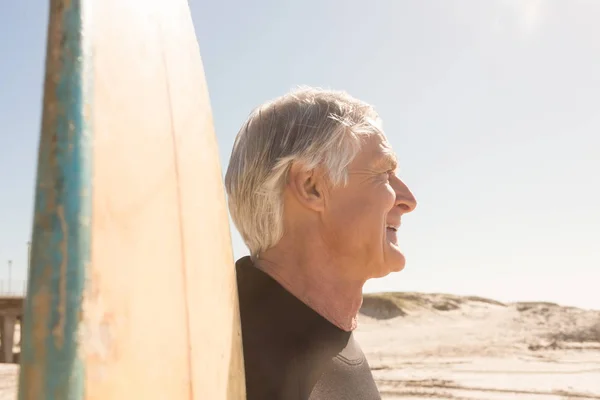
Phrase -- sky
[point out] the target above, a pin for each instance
(492, 107)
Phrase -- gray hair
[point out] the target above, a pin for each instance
(315, 127)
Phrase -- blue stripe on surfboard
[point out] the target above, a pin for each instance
(51, 367)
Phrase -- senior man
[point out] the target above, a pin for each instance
(313, 190)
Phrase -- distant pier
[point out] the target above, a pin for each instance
(11, 312)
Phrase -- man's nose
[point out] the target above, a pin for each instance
(404, 197)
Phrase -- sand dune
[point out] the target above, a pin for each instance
(439, 346)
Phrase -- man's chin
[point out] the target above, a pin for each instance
(392, 264)
(397, 268)
(396, 261)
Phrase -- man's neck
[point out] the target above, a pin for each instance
(317, 285)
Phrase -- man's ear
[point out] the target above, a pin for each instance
(307, 186)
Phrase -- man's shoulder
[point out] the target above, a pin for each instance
(272, 348)
(264, 301)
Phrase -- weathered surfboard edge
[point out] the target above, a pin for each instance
(50, 363)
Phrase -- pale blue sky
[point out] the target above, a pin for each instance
(493, 107)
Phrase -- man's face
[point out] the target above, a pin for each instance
(361, 219)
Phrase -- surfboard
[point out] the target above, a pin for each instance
(132, 291)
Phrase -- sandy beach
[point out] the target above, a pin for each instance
(450, 347)
(439, 346)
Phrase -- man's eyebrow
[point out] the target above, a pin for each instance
(386, 160)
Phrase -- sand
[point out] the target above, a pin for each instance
(8, 381)
(449, 347)
(436, 346)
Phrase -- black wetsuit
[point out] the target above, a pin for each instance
(293, 353)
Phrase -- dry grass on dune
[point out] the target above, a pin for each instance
(550, 320)
(391, 305)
